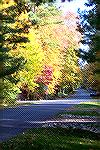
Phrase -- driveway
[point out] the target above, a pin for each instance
(16, 120)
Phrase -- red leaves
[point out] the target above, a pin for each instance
(46, 76)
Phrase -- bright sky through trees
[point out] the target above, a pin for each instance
(73, 6)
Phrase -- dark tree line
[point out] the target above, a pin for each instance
(90, 29)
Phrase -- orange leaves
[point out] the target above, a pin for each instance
(58, 44)
(50, 55)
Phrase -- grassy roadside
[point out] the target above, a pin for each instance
(53, 139)
(83, 109)
(96, 103)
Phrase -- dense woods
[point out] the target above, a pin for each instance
(38, 57)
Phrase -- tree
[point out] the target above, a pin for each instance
(53, 48)
(38, 52)
(58, 42)
(33, 54)
(10, 36)
(36, 3)
(49, 54)
(90, 28)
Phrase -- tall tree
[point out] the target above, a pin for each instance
(53, 48)
(10, 36)
(90, 28)
(36, 3)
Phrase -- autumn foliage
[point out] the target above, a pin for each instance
(46, 76)
(50, 58)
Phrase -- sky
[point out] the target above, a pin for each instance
(72, 6)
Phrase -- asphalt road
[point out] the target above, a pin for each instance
(16, 120)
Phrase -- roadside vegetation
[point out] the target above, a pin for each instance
(83, 109)
(38, 54)
(57, 139)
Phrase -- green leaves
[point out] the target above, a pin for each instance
(12, 33)
(91, 28)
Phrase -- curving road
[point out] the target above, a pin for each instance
(16, 120)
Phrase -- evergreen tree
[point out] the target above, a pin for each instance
(9, 38)
(90, 28)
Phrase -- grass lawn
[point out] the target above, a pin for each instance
(84, 109)
(84, 113)
(53, 139)
(90, 104)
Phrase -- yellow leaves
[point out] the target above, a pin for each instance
(22, 19)
(58, 44)
(34, 37)
(7, 3)
(34, 55)
(52, 45)
(56, 74)
(23, 16)
(91, 79)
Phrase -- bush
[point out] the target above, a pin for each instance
(10, 92)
